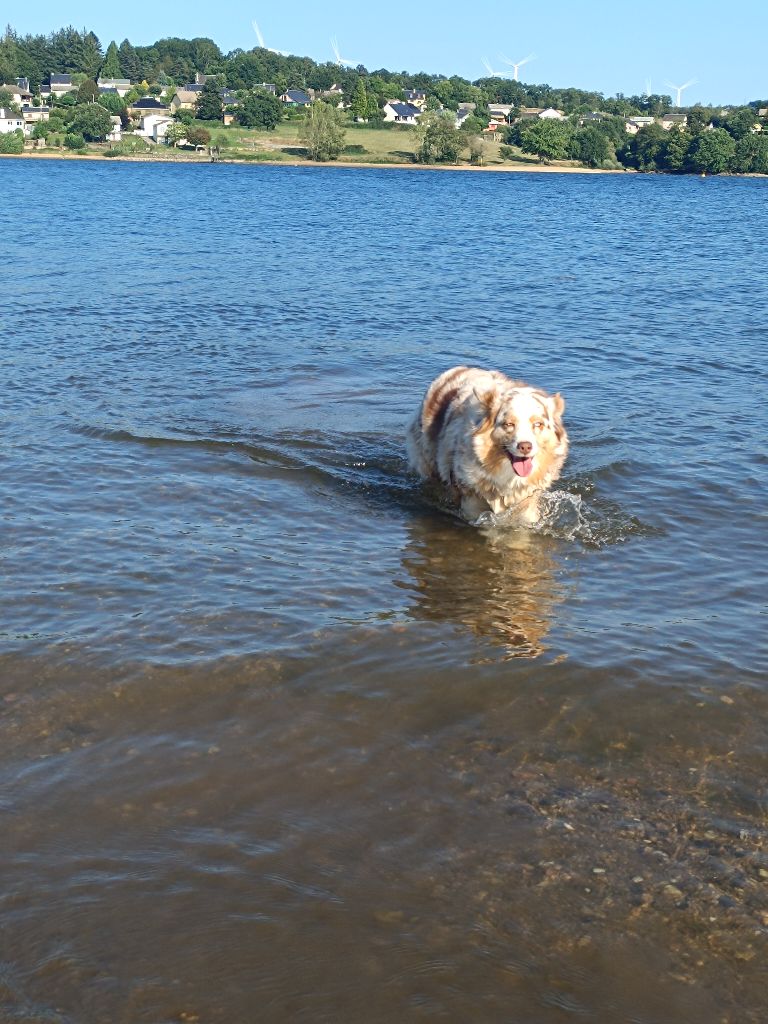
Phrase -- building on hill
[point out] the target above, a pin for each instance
(634, 124)
(19, 94)
(295, 98)
(119, 85)
(148, 105)
(500, 111)
(58, 85)
(10, 121)
(184, 99)
(674, 121)
(416, 97)
(401, 113)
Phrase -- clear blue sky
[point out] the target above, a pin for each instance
(611, 47)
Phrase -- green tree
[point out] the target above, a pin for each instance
(88, 92)
(673, 153)
(198, 136)
(6, 98)
(73, 140)
(440, 141)
(712, 152)
(358, 107)
(12, 142)
(751, 155)
(111, 66)
(175, 133)
(91, 121)
(209, 105)
(740, 122)
(260, 110)
(42, 130)
(323, 132)
(548, 139)
(697, 120)
(591, 146)
(129, 61)
(646, 148)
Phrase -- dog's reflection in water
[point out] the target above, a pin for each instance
(501, 584)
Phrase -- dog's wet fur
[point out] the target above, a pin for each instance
(493, 442)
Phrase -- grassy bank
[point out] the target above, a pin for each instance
(364, 146)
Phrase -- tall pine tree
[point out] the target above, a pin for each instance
(129, 61)
(209, 102)
(111, 66)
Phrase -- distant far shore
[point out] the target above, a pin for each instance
(525, 168)
(204, 159)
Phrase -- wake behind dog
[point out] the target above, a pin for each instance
(494, 443)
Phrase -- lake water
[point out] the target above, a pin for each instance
(284, 741)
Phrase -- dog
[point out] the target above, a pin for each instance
(494, 443)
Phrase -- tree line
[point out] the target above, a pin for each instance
(712, 141)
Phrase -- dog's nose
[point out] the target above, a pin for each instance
(524, 447)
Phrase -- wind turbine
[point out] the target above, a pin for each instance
(679, 89)
(491, 72)
(263, 45)
(517, 65)
(341, 61)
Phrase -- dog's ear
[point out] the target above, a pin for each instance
(485, 398)
(557, 406)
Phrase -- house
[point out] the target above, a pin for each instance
(58, 85)
(154, 126)
(674, 121)
(148, 105)
(462, 114)
(23, 83)
(116, 131)
(401, 113)
(595, 117)
(119, 85)
(634, 124)
(550, 114)
(10, 121)
(33, 114)
(228, 98)
(295, 98)
(416, 97)
(228, 118)
(528, 113)
(19, 94)
(500, 111)
(267, 87)
(184, 99)
(762, 112)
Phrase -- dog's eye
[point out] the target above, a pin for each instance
(509, 424)
(538, 425)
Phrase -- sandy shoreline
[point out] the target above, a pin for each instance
(501, 168)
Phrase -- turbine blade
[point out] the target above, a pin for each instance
(259, 36)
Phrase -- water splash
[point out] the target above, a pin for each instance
(566, 515)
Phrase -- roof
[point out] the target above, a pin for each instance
(191, 87)
(296, 96)
(114, 81)
(108, 89)
(148, 103)
(187, 95)
(405, 109)
(410, 93)
(10, 115)
(60, 79)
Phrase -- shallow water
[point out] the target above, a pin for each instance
(283, 739)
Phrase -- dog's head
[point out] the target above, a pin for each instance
(524, 428)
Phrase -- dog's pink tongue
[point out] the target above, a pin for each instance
(522, 466)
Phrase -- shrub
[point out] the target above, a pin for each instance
(74, 140)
